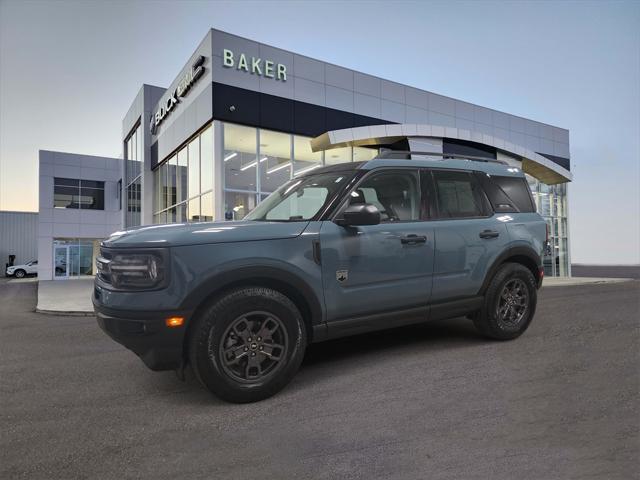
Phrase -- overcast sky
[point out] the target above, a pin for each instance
(70, 70)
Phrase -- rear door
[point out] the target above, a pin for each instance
(379, 268)
(468, 235)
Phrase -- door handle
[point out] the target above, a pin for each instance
(489, 234)
(413, 239)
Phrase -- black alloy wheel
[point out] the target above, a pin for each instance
(253, 346)
(247, 344)
(509, 303)
(513, 304)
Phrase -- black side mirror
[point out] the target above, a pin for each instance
(359, 214)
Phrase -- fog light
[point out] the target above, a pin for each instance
(173, 322)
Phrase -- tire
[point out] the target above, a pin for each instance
(235, 341)
(509, 303)
(20, 273)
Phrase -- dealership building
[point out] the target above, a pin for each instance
(242, 118)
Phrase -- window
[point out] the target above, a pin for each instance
(507, 194)
(458, 195)
(275, 160)
(394, 193)
(300, 199)
(133, 173)
(74, 193)
(304, 160)
(183, 183)
(338, 155)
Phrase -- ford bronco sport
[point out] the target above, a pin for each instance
(341, 250)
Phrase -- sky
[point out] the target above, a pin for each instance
(70, 70)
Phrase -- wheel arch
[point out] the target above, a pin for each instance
(525, 256)
(287, 283)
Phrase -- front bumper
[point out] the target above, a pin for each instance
(146, 334)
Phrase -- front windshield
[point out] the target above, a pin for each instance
(300, 199)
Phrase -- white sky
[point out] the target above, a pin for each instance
(69, 71)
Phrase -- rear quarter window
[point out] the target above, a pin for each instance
(507, 194)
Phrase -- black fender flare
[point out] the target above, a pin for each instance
(258, 274)
(531, 257)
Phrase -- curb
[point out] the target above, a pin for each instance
(599, 281)
(65, 313)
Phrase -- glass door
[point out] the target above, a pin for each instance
(61, 261)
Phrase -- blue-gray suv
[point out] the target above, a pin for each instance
(341, 250)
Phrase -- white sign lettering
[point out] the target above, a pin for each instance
(183, 87)
(254, 65)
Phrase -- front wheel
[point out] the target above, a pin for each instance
(509, 303)
(19, 274)
(247, 345)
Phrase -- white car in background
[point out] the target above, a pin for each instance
(21, 271)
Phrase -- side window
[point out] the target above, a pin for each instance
(517, 189)
(507, 194)
(395, 193)
(459, 195)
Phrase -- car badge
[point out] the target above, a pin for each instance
(342, 275)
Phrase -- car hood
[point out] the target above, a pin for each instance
(176, 234)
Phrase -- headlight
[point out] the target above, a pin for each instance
(134, 271)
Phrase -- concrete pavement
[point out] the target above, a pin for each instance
(430, 401)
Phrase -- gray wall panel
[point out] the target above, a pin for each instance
(18, 236)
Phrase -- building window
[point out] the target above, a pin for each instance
(133, 175)
(551, 203)
(338, 155)
(75, 193)
(184, 182)
(257, 162)
(304, 160)
(74, 257)
(275, 160)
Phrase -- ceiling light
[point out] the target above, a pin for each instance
(248, 166)
(263, 159)
(308, 169)
(278, 167)
(230, 156)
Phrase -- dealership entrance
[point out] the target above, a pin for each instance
(74, 257)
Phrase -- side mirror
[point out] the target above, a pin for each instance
(360, 214)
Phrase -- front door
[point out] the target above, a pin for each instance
(379, 268)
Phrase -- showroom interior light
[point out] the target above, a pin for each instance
(253, 164)
(308, 169)
(230, 156)
(278, 167)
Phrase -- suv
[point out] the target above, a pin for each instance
(341, 250)
(21, 271)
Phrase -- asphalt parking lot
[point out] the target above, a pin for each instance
(430, 401)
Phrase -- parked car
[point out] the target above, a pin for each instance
(338, 251)
(21, 271)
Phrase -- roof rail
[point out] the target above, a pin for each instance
(406, 155)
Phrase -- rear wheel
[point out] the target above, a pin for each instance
(248, 344)
(509, 304)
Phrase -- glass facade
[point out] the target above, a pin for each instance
(133, 173)
(258, 161)
(551, 203)
(183, 184)
(255, 162)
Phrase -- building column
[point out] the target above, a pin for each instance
(218, 171)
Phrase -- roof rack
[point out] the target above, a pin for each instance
(406, 155)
